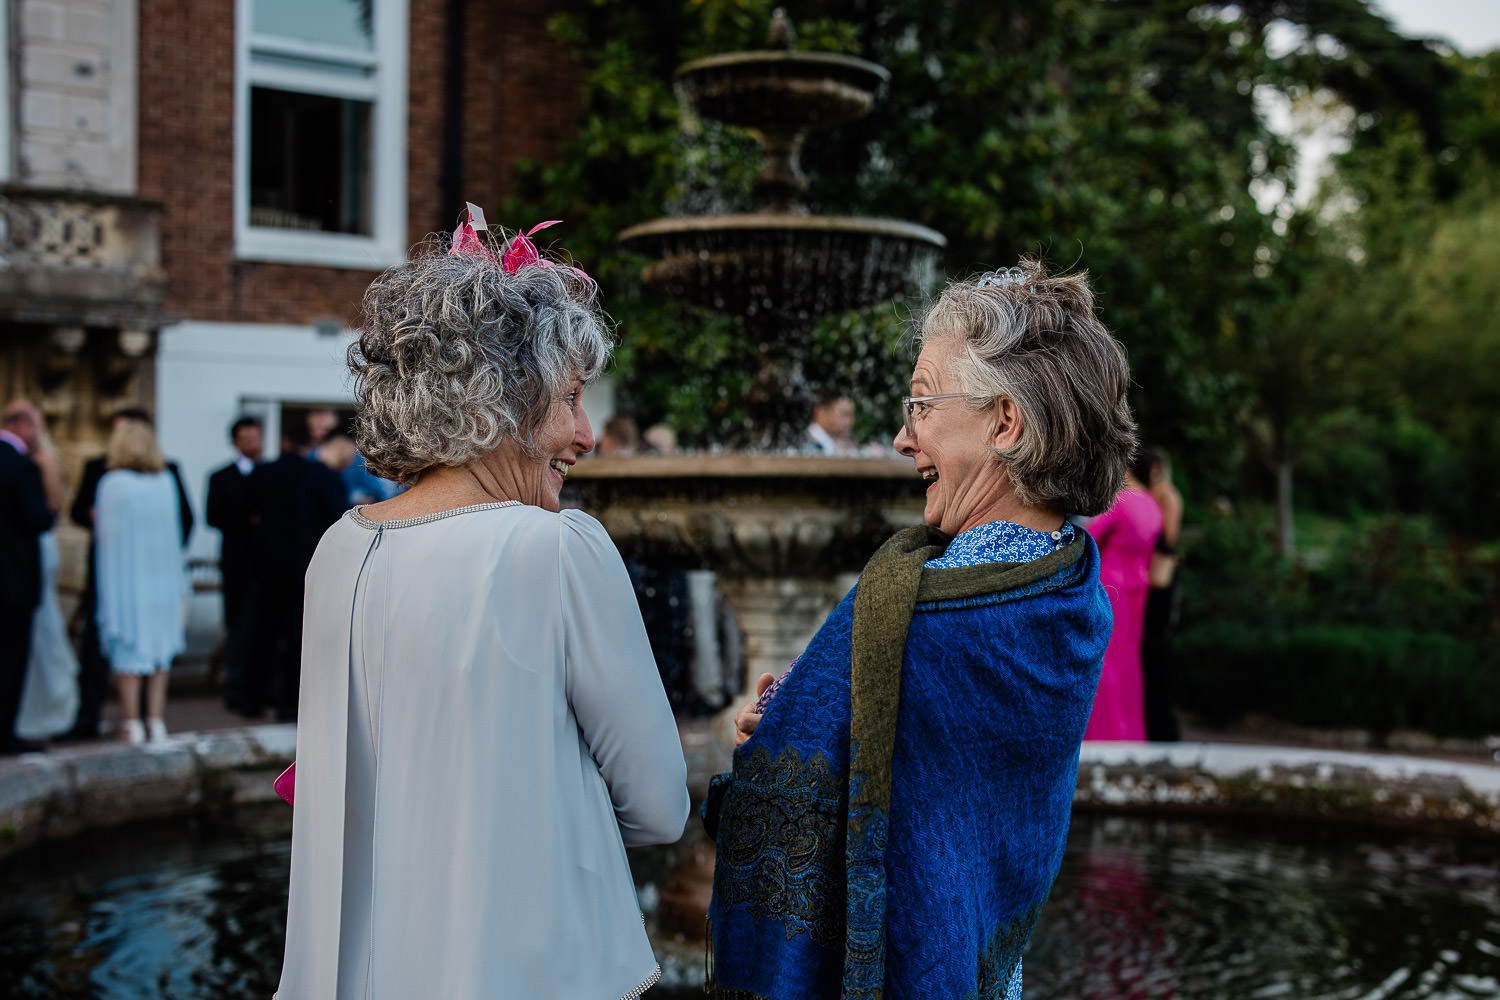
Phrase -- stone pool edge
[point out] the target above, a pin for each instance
(60, 793)
(45, 796)
(1291, 782)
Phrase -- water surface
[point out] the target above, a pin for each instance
(1143, 909)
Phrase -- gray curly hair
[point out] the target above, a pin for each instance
(456, 355)
(1035, 338)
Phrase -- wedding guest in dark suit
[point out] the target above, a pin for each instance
(228, 509)
(93, 667)
(292, 501)
(24, 516)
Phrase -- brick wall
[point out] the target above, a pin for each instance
(521, 89)
(520, 103)
(75, 94)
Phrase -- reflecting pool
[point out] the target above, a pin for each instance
(1143, 908)
(1153, 908)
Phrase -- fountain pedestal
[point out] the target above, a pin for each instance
(778, 615)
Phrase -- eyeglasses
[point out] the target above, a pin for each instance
(909, 406)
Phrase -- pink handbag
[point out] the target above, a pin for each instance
(285, 782)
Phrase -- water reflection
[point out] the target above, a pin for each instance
(1142, 909)
(182, 910)
(1172, 909)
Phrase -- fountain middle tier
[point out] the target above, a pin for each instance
(781, 272)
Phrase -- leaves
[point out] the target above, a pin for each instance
(1119, 136)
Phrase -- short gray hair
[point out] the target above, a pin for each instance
(1035, 339)
(456, 355)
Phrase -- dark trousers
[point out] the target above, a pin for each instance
(15, 648)
(278, 639)
(93, 668)
(1156, 665)
(245, 688)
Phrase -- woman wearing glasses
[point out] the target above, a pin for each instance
(898, 807)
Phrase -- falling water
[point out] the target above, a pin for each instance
(778, 269)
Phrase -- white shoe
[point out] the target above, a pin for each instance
(158, 729)
(133, 732)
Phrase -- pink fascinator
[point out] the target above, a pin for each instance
(519, 253)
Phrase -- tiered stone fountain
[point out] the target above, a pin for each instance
(782, 531)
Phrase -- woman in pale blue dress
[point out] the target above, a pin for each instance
(49, 696)
(142, 581)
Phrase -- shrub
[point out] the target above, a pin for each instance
(1341, 676)
(1388, 572)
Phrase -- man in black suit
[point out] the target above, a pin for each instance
(228, 509)
(23, 517)
(292, 501)
(93, 668)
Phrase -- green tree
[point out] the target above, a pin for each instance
(1120, 136)
(1396, 311)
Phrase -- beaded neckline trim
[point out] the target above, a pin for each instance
(407, 522)
(635, 993)
(655, 976)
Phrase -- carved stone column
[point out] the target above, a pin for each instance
(778, 615)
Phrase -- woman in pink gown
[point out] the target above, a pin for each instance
(1126, 536)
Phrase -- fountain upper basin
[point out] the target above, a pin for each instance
(783, 90)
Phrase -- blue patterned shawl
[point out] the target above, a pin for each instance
(919, 869)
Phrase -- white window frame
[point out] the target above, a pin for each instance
(7, 120)
(384, 87)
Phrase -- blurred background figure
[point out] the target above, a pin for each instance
(320, 423)
(686, 619)
(1126, 535)
(660, 439)
(24, 517)
(360, 484)
(619, 437)
(228, 509)
(93, 666)
(832, 424)
(1162, 606)
(292, 501)
(661, 594)
(142, 579)
(49, 697)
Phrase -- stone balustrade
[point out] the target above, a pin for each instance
(80, 259)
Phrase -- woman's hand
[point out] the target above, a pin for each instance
(747, 718)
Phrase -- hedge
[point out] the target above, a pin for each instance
(1340, 676)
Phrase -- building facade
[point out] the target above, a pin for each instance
(194, 195)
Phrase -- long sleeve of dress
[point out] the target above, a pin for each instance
(614, 689)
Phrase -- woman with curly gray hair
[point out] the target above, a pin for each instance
(482, 731)
(928, 735)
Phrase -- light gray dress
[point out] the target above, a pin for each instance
(481, 733)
